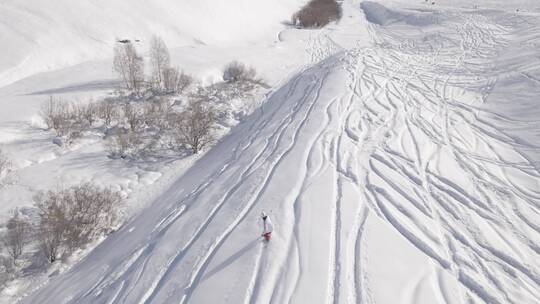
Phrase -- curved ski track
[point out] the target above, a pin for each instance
(400, 139)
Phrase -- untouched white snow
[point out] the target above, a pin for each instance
(46, 35)
(402, 166)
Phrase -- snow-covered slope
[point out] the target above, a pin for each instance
(402, 172)
(42, 35)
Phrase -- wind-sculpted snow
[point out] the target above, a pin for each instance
(379, 147)
(382, 15)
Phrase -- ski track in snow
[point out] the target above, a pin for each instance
(401, 143)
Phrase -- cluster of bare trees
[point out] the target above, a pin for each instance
(129, 65)
(193, 128)
(236, 71)
(68, 219)
(164, 79)
(156, 123)
(139, 125)
(133, 126)
(16, 237)
(317, 13)
(147, 119)
(69, 119)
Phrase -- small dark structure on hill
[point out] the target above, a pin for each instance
(317, 13)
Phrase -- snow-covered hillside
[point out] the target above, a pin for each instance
(41, 36)
(57, 50)
(400, 165)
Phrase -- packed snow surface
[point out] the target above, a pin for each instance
(404, 171)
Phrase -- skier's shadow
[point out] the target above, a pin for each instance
(228, 261)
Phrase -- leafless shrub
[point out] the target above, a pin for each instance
(184, 81)
(224, 92)
(175, 81)
(236, 71)
(195, 126)
(160, 61)
(17, 236)
(90, 211)
(155, 113)
(129, 66)
(52, 224)
(124, 143)
(64, 117)
(317, 13)
(53, 113)
(70, 218)
(107, 111)
(133, 116)
(89, 112)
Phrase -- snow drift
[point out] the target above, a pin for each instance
(382, 15)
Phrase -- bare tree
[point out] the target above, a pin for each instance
(70, 218)
(52, 224)
(175, 81)
(68, 120)
(236, 71)
(89, 112)
(90, 211)
(125, 143)
(160, 61)
(155, 113)
(107, 111)
(195, 126)
(52, 112)
(133, 116)
(129, 66)
(72, 120)
(16, 237)
(183, 82)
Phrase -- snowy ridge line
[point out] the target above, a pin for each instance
(277, 163)
(218, 206)
(303, 121)
(306, 183)
(162, 229)
(244, 212)
(246, 172)
(247, 142)
(204, 186)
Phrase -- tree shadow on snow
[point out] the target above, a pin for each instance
(89, 86)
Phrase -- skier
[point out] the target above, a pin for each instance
(267, 227)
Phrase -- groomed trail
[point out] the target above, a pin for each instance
(387, 176)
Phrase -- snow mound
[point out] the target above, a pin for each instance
(379, 14)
